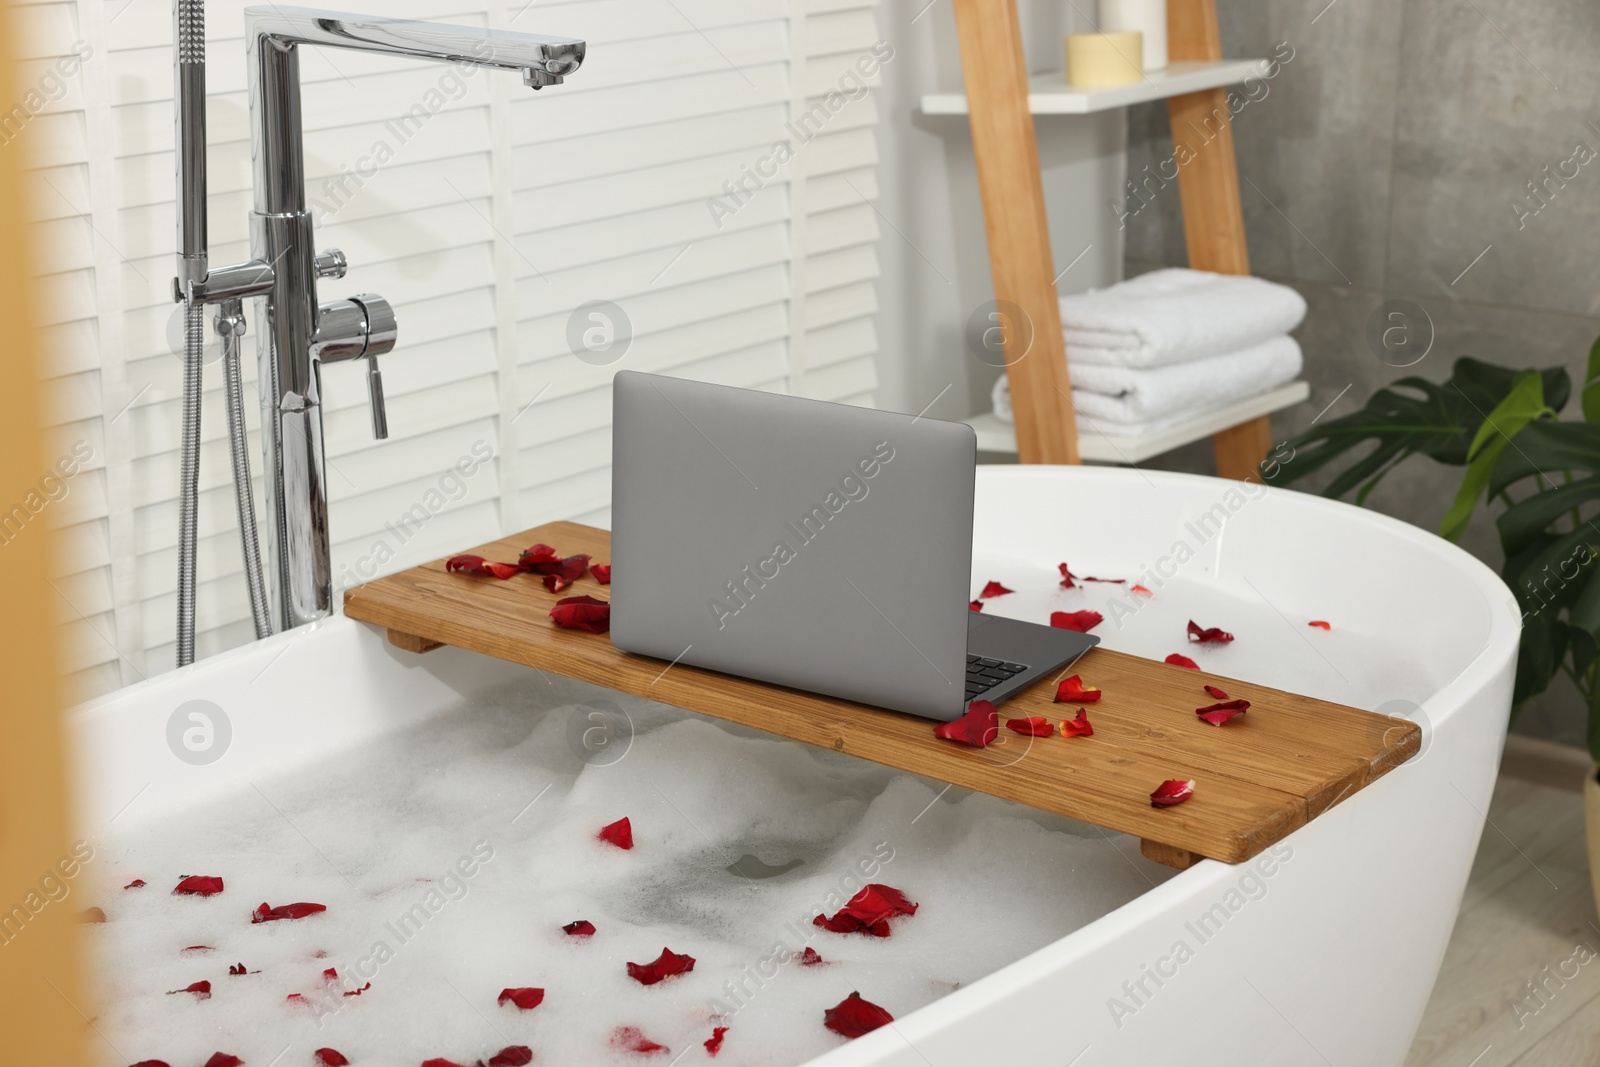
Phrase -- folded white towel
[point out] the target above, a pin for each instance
(1175, 315)
(1120, 399)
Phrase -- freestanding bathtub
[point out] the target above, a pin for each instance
(1321, 951)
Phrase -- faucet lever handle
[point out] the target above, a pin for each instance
(382, 332)
(331, 264)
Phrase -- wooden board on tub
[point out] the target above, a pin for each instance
(1257, 779)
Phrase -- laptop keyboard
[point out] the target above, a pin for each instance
(984, 674)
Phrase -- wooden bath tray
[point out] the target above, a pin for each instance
(1257, 779)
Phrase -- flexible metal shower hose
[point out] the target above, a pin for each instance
(189, 474)
(239, 446)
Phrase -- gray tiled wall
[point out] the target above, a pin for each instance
(1383, 163)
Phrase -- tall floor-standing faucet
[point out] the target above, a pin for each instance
(300, 334)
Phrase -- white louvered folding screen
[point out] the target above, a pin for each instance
(492, 219)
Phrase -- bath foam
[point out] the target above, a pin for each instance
(450, 857)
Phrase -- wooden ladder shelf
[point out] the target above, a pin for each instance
(1003, 142)
(1258, 778)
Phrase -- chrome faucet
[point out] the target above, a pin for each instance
(300, 334)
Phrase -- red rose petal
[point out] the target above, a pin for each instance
(224, 1059)
(470, 564)
(1066, 576)
(266, 913)
(1142, 591)
(330, 1057)
(811, 957)
(1107, 581)
(538, 559)
(1213, 691)
(441, 1062)
(1073, 691)
(581, 928)
(525, 997)
(976, 605)
(236, 969)
(201, 990)
(853, 1016)
(152, 1063)
(1172, 791)
(601, 572)
(1179, 660)
(582, 613)
(1078, 727)
(512, 1056)
(868, 912)
(666, 965)
(199, 885)
(619, 833)
(713, 1043)
(978, 727)
(1081, 621)
(1033, 726)
(197, 949)
(1217, 714)
(137, 883)
(994, 589)
(1319, 624)
(555, 583)
(632, 1039)
(1208, 634)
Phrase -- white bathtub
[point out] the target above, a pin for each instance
(1324, 950)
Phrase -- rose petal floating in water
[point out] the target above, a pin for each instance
(224, 1059)
(441, 1062)
(137, 883)
(1080, 621)
(236, 969)
(197, 950)
(632, 1039)
(525, 997)
(582, 613)
(811, 957)
(1073, 691)
(601, 572)
(1172, 791)
(1215, 692)
(1032, 726)
(1142, 591)
(976, 605)
(619, 833)
(1320, 624)
(994, 589)
(1078, 727)
(266, 913)
(1217, 714)
(978, 727)
(581, 928)
(1179, 660)
(1066, 576)
(152, 1063)
(713, 1043)
(1208, 634)
(199, 885)
(666, 965)
(868, 912)
(512, 1056)
(470, 564)
(330, 1057)
(853, 1016)
(201, 990)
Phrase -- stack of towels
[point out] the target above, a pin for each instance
(1157, 350)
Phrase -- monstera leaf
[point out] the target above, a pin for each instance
(1551, 551)
(1413, 416)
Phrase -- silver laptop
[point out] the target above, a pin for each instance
(819, 546)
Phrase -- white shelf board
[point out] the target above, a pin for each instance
(1049, 94)
(997, 436)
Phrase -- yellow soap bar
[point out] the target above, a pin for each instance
(1100, 59)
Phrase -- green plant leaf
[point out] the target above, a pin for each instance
(1411, 416)
(1526, 519)
(1546, 448)
(1522, 405)
(1591, 384)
